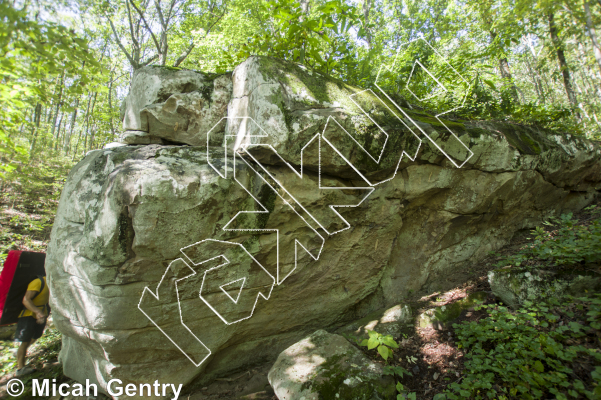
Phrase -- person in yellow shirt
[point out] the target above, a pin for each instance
(32, 320)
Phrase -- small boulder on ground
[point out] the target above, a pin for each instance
(7, 332)
(443, 316)
(327, 366)
(386, 321)
(516, 285)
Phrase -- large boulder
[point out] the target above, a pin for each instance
(136, 260)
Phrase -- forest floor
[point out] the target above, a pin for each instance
(432, 355)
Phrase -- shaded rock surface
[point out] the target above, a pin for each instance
(127, 212)
(387, 321)
(325, 365)
(516, 285)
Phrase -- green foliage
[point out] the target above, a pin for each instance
(319, 39)
(531, 353)
(44, 351)
(30, 51)
(403, 395)
(396, 370)
(30, 195)
(8, 360)
(380, 342)
(570, 243)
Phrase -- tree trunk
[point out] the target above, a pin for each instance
(58, 132)
(537, 81)
(58, 102)
(36, 127)
(563, 65)
(83, 130)
(29, 113)
(591, 32)
(85, 144)
(506, 73)
(92, 137)
(111, 105)
(68, 134)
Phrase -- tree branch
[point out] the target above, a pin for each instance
(151, 59)
(133, 63)
(154, 39)
(184, 55)
(131, 26)
(157, 4)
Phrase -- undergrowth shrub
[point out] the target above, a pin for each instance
(570, 243)
(543, 350)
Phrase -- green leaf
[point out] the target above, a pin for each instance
(384, 351)
(389, 341)
(539, 366)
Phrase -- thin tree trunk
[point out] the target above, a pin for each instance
(58, 102)
(58, 132)
(34, 133)
(506, 73)
(591, 32)
(29, 113)
(68, 133)
(111, 105)
(92, 137)
(563, 65)
(57, 86)
(83, 130)
(537, 81)
(587, 78)
(85, 145)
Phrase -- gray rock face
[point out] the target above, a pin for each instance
(324, 363)
(142, 232)
(173, 105)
